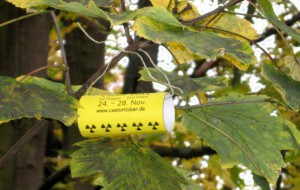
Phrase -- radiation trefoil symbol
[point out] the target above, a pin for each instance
(138, 126)
(153, 125)
(122, 126)
(91, 129)
(107, 127)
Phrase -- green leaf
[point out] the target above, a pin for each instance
(90, 9)
(35, 3)
(35, 97)
(203, 44)
(261, 182)
(241, 130)
(294, 133)
(186, 84)
(125, 165)
(267, 10)
(284, 84)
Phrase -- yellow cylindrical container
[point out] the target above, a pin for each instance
(124, 114)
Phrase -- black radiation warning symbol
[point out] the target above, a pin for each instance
(122, 126)
(153, 125)
(138, 126)
(91, 129)
(106, 127)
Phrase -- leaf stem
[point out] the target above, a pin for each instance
(37, 70)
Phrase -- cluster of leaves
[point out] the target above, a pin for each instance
(239, 128)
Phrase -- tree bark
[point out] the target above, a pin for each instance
(23, 48)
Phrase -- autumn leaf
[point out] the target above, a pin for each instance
(35, 97)
(234, 24)
(203, 44)
(241, 130)
(125, 164)
(284, 84)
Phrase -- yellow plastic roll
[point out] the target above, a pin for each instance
(124, 114)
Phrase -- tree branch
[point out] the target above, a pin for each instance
(216, 11)
(185, 153)
(203, 68)
(23, 140)
(125, 25)
(137, 44)
(63, 53)
(55, 178)
(272, 31)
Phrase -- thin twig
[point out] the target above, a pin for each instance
(63, 53)
(21, 18)
(125, 25)
(55, 178)
(23, 140)
(175, 8)
(202, 69)
(185, 9)
(272, 31)
(38, 70)
(169, 4)
(210, 21)
(217, 10)
(223, 103)
(243, 14)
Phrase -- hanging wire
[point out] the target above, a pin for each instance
(135, 53)
(149, 73)
(165, 76)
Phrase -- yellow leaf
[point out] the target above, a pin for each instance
(235, 24)
(181, 53)
(294, 67)
(25, 4)
(190, 13)
(160, 3)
